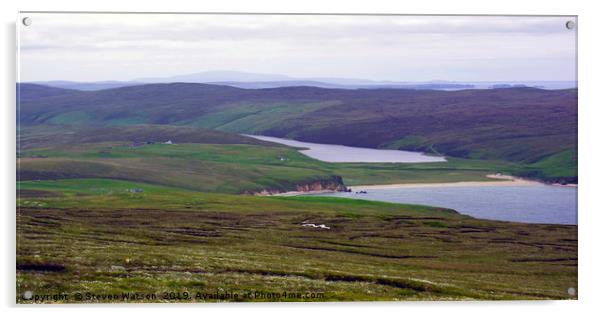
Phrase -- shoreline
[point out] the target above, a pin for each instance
(506, 180)
(297, 193)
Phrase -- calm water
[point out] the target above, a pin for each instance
(520, 203)
(340, 153)
(528, 204)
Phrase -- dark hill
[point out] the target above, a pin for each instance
(26, 91)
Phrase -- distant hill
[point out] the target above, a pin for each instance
(249, 80)
(319, 84)
(102, 85)
(34, 91)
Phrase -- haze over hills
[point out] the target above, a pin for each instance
(524, 125)
(249, 80)
(87, 86)
(217, 76)
(238, 78)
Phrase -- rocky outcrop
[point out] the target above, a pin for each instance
(334, 183)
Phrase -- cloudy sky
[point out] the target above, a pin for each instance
(92, 47)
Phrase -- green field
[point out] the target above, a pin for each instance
(232, 168)
(99, 236)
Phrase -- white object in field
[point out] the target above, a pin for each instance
(322, 226)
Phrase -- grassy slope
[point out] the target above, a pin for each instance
(199, 167)
(44, 136)
(522, 125)
(560, 167)
(95, 235)
(230, 168)
(210, 161)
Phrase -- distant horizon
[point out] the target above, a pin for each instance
(292, 78)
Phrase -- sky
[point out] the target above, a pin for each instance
(96, 47)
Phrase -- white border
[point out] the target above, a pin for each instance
(590, 104)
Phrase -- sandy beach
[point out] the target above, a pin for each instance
(505, 180)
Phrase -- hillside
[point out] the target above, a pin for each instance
(48, 136)
(28, 91)
(87, 86)
(523, 125)
(182, 157)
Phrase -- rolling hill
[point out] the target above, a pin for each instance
(530, 126)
